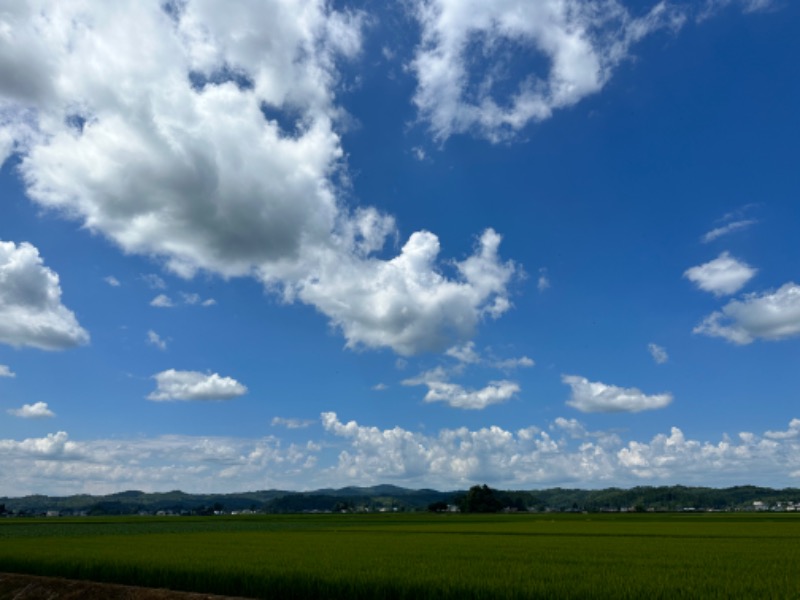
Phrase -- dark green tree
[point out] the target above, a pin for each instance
(481, 499)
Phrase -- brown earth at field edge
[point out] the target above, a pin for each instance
(34, 587)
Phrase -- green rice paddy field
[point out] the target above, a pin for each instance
(422, 555)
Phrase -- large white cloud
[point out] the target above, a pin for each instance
(125, 140)
(193, 385)
(594, 396)
(722, 276)
(405, 303)
(462, 63)
(31, 313)
(772, 315)
(206, 135)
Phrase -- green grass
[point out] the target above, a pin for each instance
(423, 556)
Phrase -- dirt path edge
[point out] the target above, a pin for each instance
(34, 587)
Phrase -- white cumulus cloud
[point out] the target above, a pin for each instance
(162, 301)
(722, 276)
(38, 410)
(594, 396)
(31, 312)
(772, 315)
(791, 433)
(5, 371)
(462, 62)
(194, 385)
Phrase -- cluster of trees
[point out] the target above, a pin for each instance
(482, 499)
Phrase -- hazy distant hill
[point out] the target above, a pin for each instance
(379, 497)
(393, 498)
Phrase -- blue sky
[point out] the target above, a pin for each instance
(429, 243)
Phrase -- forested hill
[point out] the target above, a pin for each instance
(387, 498)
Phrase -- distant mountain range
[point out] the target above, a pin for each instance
(384, 498)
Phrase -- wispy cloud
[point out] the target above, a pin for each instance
(508, 364)
(544, 280)
(193, 299)
(658, 353)
(154, 282)
(5, 371)
(466, 354)
(718, 232)
(712, 7)
(292, 423)
(155, 340)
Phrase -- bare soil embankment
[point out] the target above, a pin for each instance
(30, 587)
